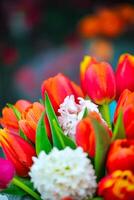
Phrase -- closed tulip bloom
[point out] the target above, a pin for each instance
(18, 151)
(121, 156)
(9, 119)
(29, 121)
(58, 87)
(117, 186)
(100, 80)
(85, 133)
(7, 173)
(84, 65)
(126, 105)
(125, 74)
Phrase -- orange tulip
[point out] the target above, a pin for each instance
(29, 121)
(125, 74)
(100, 81)
(126, 104)
(121, 156)
(85, 133)
(18, 151)
(84, 65)
(58, 87)
(117, 186)
(9, 119)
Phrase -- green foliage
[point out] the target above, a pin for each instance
(119, 130)
(42, 141)
(59, 139)
(15, 190)
(102, 144)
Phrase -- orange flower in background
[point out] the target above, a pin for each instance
(125, 74)
(111, 24)
(117, 186)
(29, 121)
(121, 156)
(18, 151)
(58, 87)
(126, 12)
(85, 133)
(9, 119)
(84, 65)
(126, 105)
(89, 26)
(100, 81)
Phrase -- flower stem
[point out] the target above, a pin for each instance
(104, 109)
(24, 187)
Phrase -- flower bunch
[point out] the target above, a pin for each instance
(67, 146)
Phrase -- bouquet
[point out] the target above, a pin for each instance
(68, 146)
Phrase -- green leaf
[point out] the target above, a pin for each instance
(65, 139)
(119, 130)
(15, 190)
(85, 114)
(59, 139)
(15, 110)
(42, 141)
(102, 144)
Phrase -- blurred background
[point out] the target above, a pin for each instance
(39, 38)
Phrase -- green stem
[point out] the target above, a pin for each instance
(24, 187)
(104, 109)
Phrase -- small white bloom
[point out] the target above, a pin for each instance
(3, 197)
(63, 173)
(71, 113)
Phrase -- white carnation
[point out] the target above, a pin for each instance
(63, 173)
(71, 113)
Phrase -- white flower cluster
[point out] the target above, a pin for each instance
(3, 197)
(71, 113)
(65, 173)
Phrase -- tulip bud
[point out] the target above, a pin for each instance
(18, 151)
(117, 186)
(29, 121)
(9, 119)
(7, 173)
(121, 156)
(84, 65)
(58, 87)
(85, 133)
(125, 74)
(100, 81)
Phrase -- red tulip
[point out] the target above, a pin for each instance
(85, 133)
(100, 81)
(9, 119)
(18, 151)
(7, 173)
(58, 87)
(121, 156)
(29, 121)
(84, 65)
(117, 186)
(126, 105)
(125, 74)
